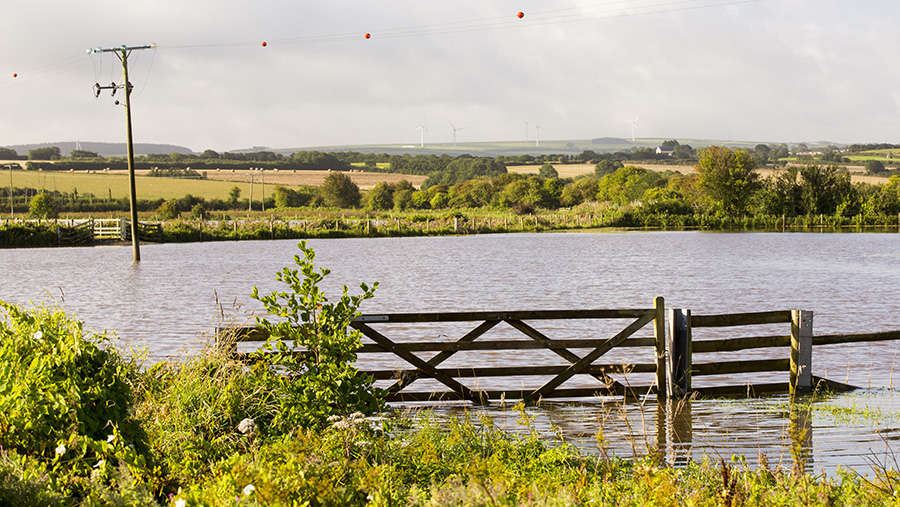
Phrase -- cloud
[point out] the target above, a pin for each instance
(766, 70)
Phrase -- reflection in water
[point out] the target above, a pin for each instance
(851, 430)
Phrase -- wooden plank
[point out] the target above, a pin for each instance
(801, 351)
(743, 390)
(512, 315)
(834, 339)
(582, 363)
(410, 358)
(733, 344)
(831, 385)
(404, 396)
(510, 371)
(741, 319)
(249, 334)
(659, 334)
(732, 367)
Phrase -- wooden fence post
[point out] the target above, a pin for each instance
(659, 333)
(679, 381)
(801, 351)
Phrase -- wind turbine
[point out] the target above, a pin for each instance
(537, 142)
(526, 130)
(454, 133)
(633, 126)
(422, 128)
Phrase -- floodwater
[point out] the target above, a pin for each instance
(173, 299)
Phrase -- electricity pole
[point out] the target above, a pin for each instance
(122, 52)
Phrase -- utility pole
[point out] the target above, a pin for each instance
(12, 209)
(122, 52)
(250, 207)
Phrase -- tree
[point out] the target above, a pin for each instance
(403, 192)
(727, 178)
(209, 154)
(380, 198)
(627, 184)
(168, 210)
(43, 206)
(874, 166)
(684, 151)
(49, 153)
(234, 194)
(83, 154)
(8, 154)
(547, 171)
(607, 166)
(339, 191)
(199, 211)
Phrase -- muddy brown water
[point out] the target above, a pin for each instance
(170, 302)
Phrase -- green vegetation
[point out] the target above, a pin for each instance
(82, 424)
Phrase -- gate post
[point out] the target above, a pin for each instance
(680, 352)
(801, 351)
(659, 333)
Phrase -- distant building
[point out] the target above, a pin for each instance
(668, 151)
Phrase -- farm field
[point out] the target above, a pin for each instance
(574, 170)
(217, 186)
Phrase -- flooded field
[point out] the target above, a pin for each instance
(171, 302)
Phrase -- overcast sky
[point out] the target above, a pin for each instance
(767, 70)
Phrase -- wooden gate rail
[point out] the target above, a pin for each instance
(584, 365)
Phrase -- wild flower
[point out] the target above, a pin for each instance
(363, 443)
(181, 502)
(38, 335)
(247, 426)
(249, 489)
(60, 449)
(110, 439)
(343, 424)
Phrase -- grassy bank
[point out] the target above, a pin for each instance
(337, 224)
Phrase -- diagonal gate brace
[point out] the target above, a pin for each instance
(566, 354)
(478, 398)
(409, 377)
(585, 361)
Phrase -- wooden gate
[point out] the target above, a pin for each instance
(525, 322)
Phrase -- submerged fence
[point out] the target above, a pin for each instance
(672, 370)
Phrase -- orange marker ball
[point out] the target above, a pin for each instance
(368, 35)
(520, 15)
(15, 75)
(264, 44)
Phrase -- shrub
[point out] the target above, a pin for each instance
(168, 210)
(43, 206)
(321, 381)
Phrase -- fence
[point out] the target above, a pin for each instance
(70, 232)
(674, 366)
(444, 350)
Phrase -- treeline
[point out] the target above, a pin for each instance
(725, 185)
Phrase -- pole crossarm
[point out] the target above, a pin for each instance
(120, 49)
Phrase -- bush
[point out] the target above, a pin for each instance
(321, 381)
(168, 210)
(43, 206)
